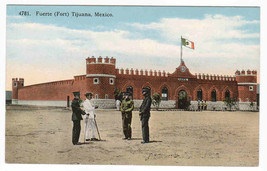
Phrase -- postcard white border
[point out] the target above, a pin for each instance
(263, 92)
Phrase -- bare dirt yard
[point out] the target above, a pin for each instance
(43, 135)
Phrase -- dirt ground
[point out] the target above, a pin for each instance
(178, 138)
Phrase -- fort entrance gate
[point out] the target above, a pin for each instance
(182, 99)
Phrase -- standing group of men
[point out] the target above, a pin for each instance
(127, 106)
(90, 127)
(201, 105)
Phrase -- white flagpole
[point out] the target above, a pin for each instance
(181, 50)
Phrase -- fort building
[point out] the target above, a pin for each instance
(102, 77)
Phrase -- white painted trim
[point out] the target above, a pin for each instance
(247, 83)
(97, 81)
(112, 81)
(100, 75)
(100, 63)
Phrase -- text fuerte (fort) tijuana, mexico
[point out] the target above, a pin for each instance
(67, 14)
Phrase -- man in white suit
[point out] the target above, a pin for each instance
(90, 125)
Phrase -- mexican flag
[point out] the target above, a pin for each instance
(188, 43)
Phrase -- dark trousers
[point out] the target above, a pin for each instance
(126, 125)
(76, 131)
(145, 129)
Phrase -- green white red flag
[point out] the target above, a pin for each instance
(188, 43)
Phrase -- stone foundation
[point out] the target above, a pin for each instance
(14, 101)
(170, 104)
(42, 103)
(220, 105)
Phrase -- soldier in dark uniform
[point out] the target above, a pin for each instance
(127, 106)
(202, 105)
(198, 105)
(144, 114)
(77, 113)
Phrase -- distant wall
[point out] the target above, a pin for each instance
(42, 103)
(53, 91)
(101, 103)
(220, 105)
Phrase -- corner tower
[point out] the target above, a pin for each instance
(247, 85)
(16, 85)
(101, 76)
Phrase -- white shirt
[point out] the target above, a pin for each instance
(118, 103)
(89, 108)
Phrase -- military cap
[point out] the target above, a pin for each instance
(88, 94)
(76, 93)
(145, 90)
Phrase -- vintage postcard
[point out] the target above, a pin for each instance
(132, 85)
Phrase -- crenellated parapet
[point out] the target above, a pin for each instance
(141, 72)
(100, 59)
(214, 77)
(79, 77)
(104, 67)
(244, 73)
(246, 76)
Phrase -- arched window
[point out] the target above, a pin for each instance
(164, 93)
(199, 94)
(213, 96)
(106, 96)
(129, 89)
(227, 94)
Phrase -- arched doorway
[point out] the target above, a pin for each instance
(182, 100)
(164, 94)
(213, 96)
(199, 94)
(227, 94)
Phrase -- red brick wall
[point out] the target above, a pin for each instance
(245, 94)
(101, 69)
(54, 90)
(174, 86)
(102, 88)
(155, 80)
(245, 81)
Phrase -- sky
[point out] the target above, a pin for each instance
(49, 48)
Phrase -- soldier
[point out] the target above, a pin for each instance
(202, 105)
(127, 106)
(198, 105)
(144, 114)
(77, 113)
(205, 105)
